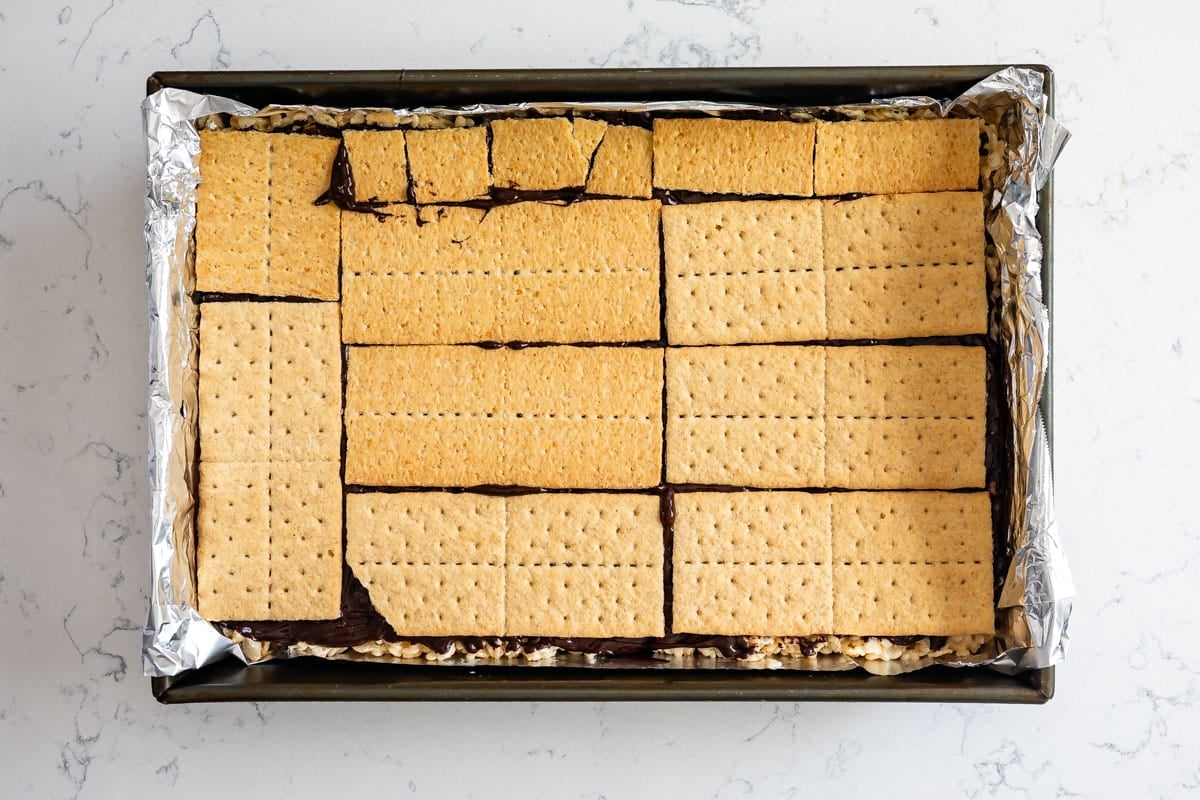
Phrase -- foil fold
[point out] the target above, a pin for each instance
(1035, 601)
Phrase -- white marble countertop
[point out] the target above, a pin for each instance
(76, 716)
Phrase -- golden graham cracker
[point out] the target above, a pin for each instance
(233, 542)
(518, 273)
(448, 164)
(850, 563)
(305, 365)
(270, 493)
(908, 599)
(444, 564)
(543, 154)
(599, 255)
(547, 529)
(304, 237)
(257, 230)
(270, 382)
(419, 416)
(744, 272)
(462, 416)
(589, 133)
(897, 156)
(782, 416)
(778, 271)
(890, 230)
(928, 528)
(905, 266)
(406, 281)
(906, 417)
(721, 156)
(909, 381)
(916, 300)
(380, 164)
(584, 565)
(912, 563)
(758, 528)
(752, 562)
(232, 212)
(234, 394)
(922, 453)
(582, 417)
(269, 540)
(746, 415)
(432, 562)
(732, 600)
(623, 163)
(306, 539)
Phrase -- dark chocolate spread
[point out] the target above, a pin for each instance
(341, 191)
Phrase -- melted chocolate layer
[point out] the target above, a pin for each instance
(341, 188)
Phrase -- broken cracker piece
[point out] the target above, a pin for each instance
(543, 154)
(448, 164)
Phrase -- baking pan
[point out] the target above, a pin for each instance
(317, 679)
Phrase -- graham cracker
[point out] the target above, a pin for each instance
(380, 164)
(722, 156)
(410, 280)
(905, 453)
(875, 417)
(752, 562)
(542, 154)
(582, 417)
(306, 540)
(418, 416)
(234, 395)
(896, 156)
(257, 230)
(270, 382)
(519, 273)
(448, 164)
(903, 229)
(304, 236)
(917, 300)
(443, 564)
(269, 541)
(912, 563)
(850, 563)
(462, 416)
(623, 163)
(905, 417)
(584, 565)
(233, 546)
(905, 266)
(599, 255)
(232, 212)
(744, 272)
(952, 600)
(589, 133)
(716, 529)
(768, 600)
(305, 361)
(433, 562)
(929, 528)
(751, 415)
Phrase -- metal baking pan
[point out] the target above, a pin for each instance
(315, 679)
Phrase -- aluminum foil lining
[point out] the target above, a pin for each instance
(1035, 601)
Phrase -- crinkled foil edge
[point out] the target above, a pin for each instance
(1035, 601)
